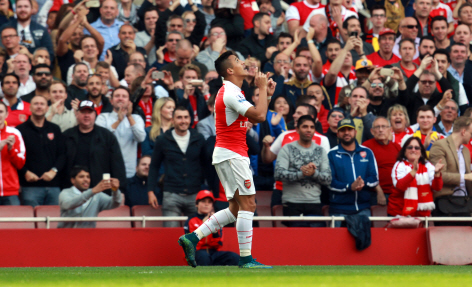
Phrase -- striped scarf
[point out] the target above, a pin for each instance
(418, 198)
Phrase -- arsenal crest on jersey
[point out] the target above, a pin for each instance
(247, 183)
(22, 118)
(51, 136)
(363, 154)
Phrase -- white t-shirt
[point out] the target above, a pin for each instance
(182, 141)
(344, 12)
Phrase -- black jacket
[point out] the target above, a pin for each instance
(45, 149)
(161, 27)
(252, 46)
(233, 25)
(183, 172)
(74, 92)
(121, 58)
(105, 156)
(136, 191)
(202, 107)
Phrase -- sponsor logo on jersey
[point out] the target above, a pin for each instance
(247, 183)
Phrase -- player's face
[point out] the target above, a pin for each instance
(238, 67)
(205, 206)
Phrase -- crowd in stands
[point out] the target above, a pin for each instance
(373, 104)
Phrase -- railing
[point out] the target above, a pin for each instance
(144, 219)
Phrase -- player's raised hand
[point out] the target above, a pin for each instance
(271, 87)
(261, 80)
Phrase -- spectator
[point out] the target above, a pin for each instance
(209, 13)
(276, 17)
(146, 38)
(132, 72)
(233, 24)
(282, 66)
(206, 126)
(321, 38)
(334, 116)
(464, 13)
(456, 172)
(363, 70)
(260, 44)
(128, 128)
(11, 42)
(78, 87)
(161, 122)
(57, 112)
(303, 167)
(422, 11)
(363, 120)
(462, 35)
(12, 157)
(208, 253)
(39, 177)
(82, 201)
(385, 152)
(194, 24)
(136, 190)
(440, 31)
(407, 50)
(184, 54)
(378, 20)
(121, 52)
(18, 111)
(21, 68)
(316, 95)
(298, 84)
(127, 7)
(408, 30)
(354, 174)
(217, 46)
(32, 35)
(182, 151)
(104, 156)
(442, 10)
(297, 14)
(41, 56)
(42, 78)
(166, 53)
(448, 116)
(107, 25)
(352, 25)
(385, 55)
(400, 123)
(459, 55)
(427, 47)
(94, 88)
(414, 179)
(425, 129)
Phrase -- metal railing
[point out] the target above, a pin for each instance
(144, 219)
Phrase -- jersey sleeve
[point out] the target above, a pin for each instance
(325, 144)
(450, 19)
(237, 103)
(292, 14)
(306, 26)
(277, 144)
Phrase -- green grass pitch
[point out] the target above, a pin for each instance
(352, 276)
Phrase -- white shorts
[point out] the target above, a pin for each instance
(235, 174)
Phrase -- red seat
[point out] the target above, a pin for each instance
(264, 211)
(450, 245)
(263, 197)
(45, 211)
(147, 210)
(16, 211)
(122, 211)
(277, 210)
(379, 210)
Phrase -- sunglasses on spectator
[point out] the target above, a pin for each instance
(427, 82)
(375, 85)
(337, 116)
(410, 26)
(191, 20)
(176, 25)
(413, 147)
(40, 74)
(173, 40)
(9, 36)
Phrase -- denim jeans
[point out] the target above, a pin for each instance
(9, 200)
(365, 212)
(40, 195)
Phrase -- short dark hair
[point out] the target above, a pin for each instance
(299, 50)
(362, 88)
(223, 63)
(150, 9)
(76, 169)
(378, 7)
(404, 40)
(86, 37)
(425, 108)
(333, 41)
(467, 112)
(215, 26)
(79, 64)
(311, 109)
(180, 108)
(427, 37)
(304, 99)
(284, 35)
(466, 4)
(457, 44)
(346, 21)
(11, 75)
(40, 66)
(120, 88)
(143, 156)
(305, 118)
(401, 154)
(103, 64)
(436, 19)
(258, 17)
(442, 52)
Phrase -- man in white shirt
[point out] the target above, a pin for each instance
(22, 68)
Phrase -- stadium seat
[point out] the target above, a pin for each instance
(16, 211)
(122, 211)
(263, 197)
(45, 211)
(277, 210)
(147, 210)
(379, 210)
(450, 245)
(264, 211)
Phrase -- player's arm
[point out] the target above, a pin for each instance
(258, 114)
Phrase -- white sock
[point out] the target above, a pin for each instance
(244, 230)
(215, 223)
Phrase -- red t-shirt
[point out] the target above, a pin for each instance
(386, 156)
(246, 9)
(408, 73)
(98, 109)
(147, 109)
(379, 62)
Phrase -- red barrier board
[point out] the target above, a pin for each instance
(159, 247)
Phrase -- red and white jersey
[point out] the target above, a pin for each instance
(344, 12)
(341, 81)
(11, 161)
(398, 137)
(442, 10)
(300, 11)
(451, 3)
(230, 123)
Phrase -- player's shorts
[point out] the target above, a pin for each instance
(235, 174)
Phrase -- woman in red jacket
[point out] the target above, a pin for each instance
(414, 179)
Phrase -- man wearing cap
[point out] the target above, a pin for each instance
(208, 253)
(354, 174)
(94, 147)
(385, 54)
(362, 70)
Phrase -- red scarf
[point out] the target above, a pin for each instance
(332, 24)
(418, 198)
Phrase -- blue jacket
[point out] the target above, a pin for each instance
(345, 169)
(40, 35)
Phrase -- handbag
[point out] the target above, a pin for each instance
(456, 206)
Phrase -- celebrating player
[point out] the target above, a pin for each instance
(232, 112)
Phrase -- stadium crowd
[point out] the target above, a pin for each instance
(371, 105)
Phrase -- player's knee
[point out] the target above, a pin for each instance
(249, 205)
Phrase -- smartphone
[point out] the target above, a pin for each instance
(93, 4)
(386, 72)
(196, 83)
(354, 33)
(157, 75)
